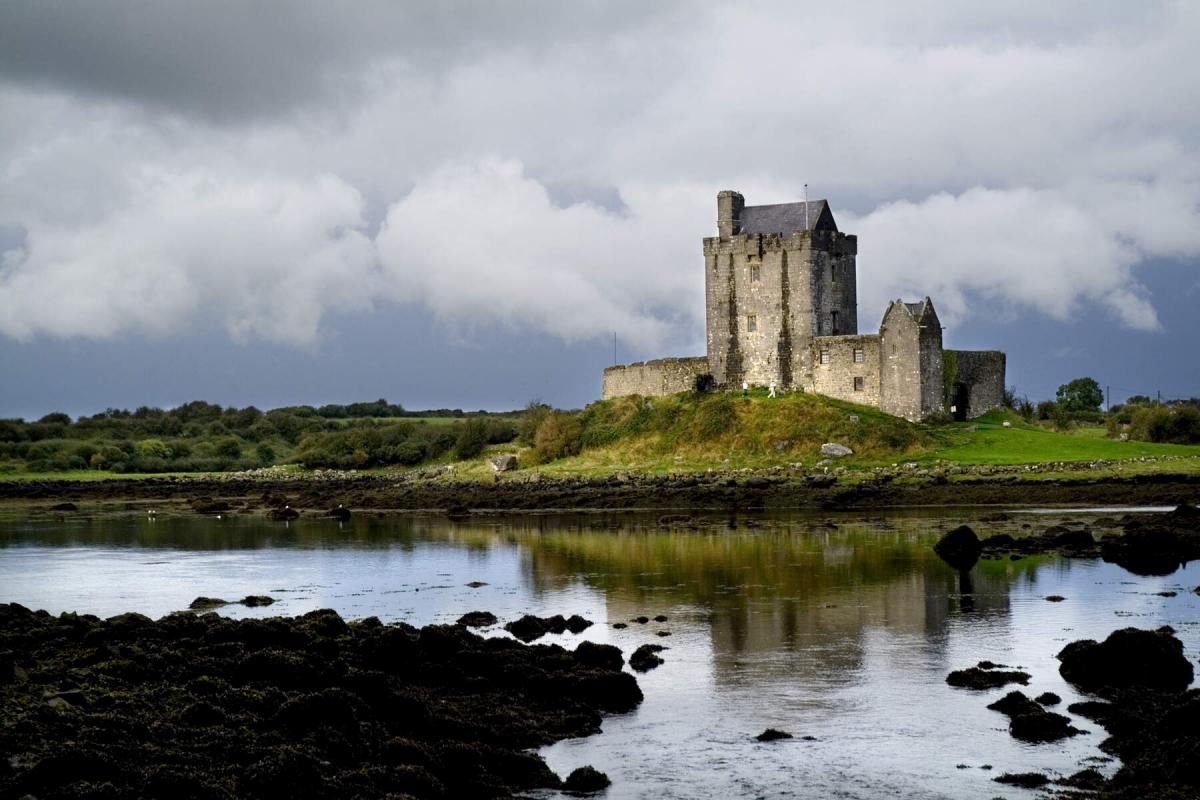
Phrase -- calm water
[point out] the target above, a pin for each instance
(841, 627)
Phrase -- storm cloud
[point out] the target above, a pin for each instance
(549, 167)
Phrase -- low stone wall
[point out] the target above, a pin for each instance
(983, 373)
(662, 376)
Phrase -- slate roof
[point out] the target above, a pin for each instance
(915, 308)
(787, 218)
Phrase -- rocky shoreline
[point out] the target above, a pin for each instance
(285, 495)
(203, 707)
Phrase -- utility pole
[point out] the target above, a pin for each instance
(1108, 398)
(806, 206)
(614, 348)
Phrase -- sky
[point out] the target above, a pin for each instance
(474, 204)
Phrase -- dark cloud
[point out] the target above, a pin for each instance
(227, 59)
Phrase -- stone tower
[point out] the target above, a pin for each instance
(775, 276)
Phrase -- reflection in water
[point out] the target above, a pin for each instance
(842, 628)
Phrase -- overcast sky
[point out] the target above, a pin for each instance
(459, 204)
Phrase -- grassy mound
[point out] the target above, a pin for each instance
(729, 431)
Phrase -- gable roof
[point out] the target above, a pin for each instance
(787, 218)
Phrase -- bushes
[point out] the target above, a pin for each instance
(1160, 423)
(472, 438)
(560, 435)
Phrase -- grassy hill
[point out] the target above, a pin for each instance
(728, 431)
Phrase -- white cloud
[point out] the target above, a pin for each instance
(265, 258)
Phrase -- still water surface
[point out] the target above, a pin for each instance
(840, 627)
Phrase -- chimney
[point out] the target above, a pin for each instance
(729, 213)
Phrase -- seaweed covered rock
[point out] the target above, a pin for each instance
(646, 657)
(586, 780)
(210, 707)
(960, 548)
(980, 678)
(1129, 657)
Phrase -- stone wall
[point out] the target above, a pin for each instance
(982, 372)
(654, 378)
(766, 295)
(836, 377)
(911, 362)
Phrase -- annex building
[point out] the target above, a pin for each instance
(782, 310)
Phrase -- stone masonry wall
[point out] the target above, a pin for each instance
(983, 373)
(654, 378)
(836, 377)
(766, 295)
(910, 364)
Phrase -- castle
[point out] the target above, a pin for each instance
(782, 310)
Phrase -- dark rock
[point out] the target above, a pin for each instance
(1088, 779)
(340, 513)
(206, 505)
(641, 620)
(645, 658)
(531, 627)
(256, 600)
(772, 735)
(577, 624)
(1015, 704)
(980, 679)
(1000, 541)
(661, 618)
(959, 548)
(477, 619)
(1167, 594)
(1029, 722)
(285, 514)
(620, 625)
(64, 507)
(586, 780)
(1048, 699)
(1055, 598)
(1041, 726)
(475, 584)
(1129, 657)
(605, 656)
(1026, 780)
(207, 602)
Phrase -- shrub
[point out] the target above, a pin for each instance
(153, 448)
(265, 454)
(1160, 423)
(405, 453)
(535, 414)
(472, 438)
(560, 435)
(227, 447)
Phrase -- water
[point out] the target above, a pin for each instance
(841, 627)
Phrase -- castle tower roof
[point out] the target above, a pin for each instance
(787, 217)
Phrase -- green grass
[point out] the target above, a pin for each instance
(992, 443)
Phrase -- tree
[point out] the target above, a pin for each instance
(1081, 394)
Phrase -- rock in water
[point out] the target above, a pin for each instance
(255, 600)
(772, 735)
(1026, 780)
(341, 513)
(645, 658)
(835, 450)
(477, 619)
(959, 548)
(979, 679)
(1129, 657)
(207, 602)
(605, 656)
(586, 780)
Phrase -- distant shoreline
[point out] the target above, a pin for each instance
(713, 491)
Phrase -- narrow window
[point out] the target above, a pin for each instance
(824, 356)
(832, 274)
(754, 273)
(858, 355)
(858, 384)
(751, 323)
(833, 322)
